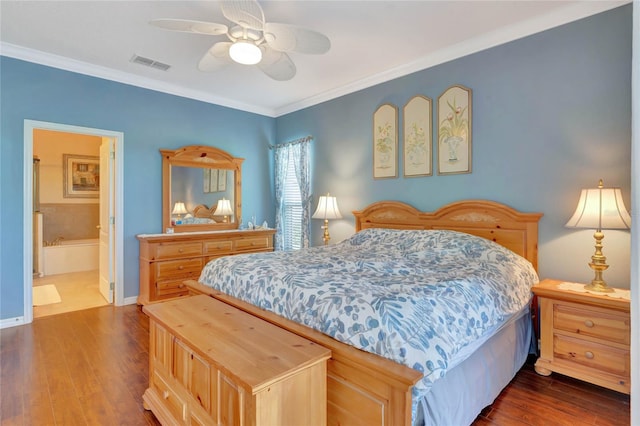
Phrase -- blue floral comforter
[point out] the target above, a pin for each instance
(415, 297)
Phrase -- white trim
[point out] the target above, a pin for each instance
(503, 35)
(635, 216)
(29, 127)
(562, 16)
(130, 300)
(11, 322)
(72, 65)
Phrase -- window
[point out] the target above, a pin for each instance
(292, 214)
(292, 184)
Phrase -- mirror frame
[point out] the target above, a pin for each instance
(202, 157)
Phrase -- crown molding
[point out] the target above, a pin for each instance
(504, 35)
(72, 65)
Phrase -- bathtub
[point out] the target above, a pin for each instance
(71, 256)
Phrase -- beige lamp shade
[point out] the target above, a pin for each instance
(223, 208)
(600, 208)
(327, 208)
(179, 208)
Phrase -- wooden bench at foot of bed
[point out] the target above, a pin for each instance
(362, 388)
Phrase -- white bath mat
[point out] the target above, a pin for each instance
(45, 295)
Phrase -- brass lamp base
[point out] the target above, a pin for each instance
(599, 265)
(325, 236)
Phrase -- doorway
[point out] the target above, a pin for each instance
(109, 231)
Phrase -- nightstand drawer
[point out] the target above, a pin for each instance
(593, 355)
(590, 322)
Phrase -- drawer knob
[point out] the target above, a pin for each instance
(180, 250)
(588, 323)
(165, 394)
(588, 355)
(181, 267)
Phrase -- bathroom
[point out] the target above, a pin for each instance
(66, 218)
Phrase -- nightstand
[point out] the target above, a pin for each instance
(584, 335)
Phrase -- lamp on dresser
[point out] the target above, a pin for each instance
(223, 208)
(327, 209)
(600, 208)
(179, 209)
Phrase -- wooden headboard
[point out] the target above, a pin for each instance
(497, 222)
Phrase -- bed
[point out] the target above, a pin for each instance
(370, 382)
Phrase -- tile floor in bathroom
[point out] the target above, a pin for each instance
(78, 291)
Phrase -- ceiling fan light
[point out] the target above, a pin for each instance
(245, 52)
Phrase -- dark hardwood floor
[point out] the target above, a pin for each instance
(91, 368)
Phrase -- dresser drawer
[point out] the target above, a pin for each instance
(218, 247)
(593, 355)
(252, 243)
(175, 250)
(186, 268)
(169, 289)
(590, 322)
(171, 399)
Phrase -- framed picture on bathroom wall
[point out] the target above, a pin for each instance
(81, 176)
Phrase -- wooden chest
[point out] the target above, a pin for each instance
(213, 364)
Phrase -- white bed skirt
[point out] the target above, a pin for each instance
(458, 398)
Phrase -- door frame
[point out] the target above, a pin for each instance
(118, 137)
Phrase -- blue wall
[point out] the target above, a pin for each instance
(551, 115)
(149, 121)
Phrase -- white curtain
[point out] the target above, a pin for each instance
(299, 152)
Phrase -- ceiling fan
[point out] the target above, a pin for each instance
(253, 41)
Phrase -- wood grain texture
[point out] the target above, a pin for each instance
(500, 223)
(356, 377)
(584, 335)
(167, 260)
(257, 373)
(111, 348)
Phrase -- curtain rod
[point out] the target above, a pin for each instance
(297, 141)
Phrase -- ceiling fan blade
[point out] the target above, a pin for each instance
(188, 26)
(216, 57)
(246, 13)
(289, 38)
(277, 65)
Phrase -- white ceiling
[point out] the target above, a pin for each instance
(371, 42)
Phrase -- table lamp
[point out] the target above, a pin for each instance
(327, 209)
(600, 208)
(223, 208)
(179, 209)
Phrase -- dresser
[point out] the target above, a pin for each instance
(213, 364)
(167, 260)
(584, 335)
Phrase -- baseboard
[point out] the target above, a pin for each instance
(11, 322)
(130, 300)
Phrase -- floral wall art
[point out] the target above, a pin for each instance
(454, 131)
(417, 132)
(385, 142)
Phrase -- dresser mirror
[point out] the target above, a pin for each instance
(200, 189)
